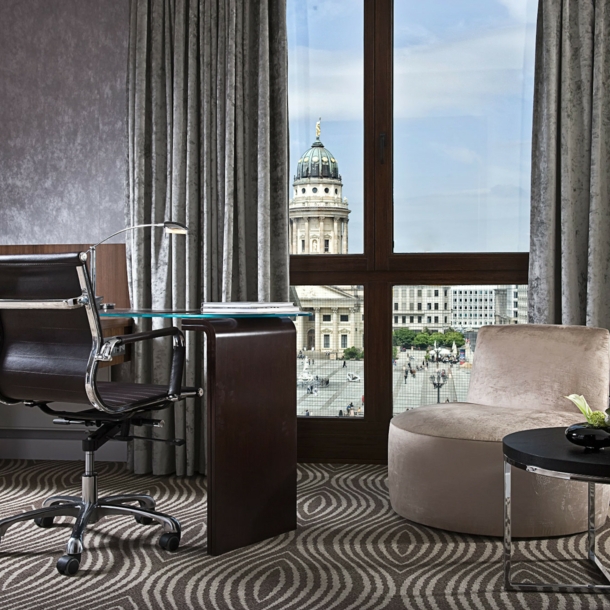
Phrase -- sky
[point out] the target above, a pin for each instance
(463, 87)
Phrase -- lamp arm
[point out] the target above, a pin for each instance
(170, 227)
(155, 224)
(93, 253)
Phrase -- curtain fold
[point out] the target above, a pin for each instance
(208, 146)
(570, 215)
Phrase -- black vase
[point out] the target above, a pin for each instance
(589, 437)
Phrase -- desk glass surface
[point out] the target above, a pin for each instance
(188, 314)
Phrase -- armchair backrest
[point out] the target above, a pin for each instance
(45, 346)
(533, 366)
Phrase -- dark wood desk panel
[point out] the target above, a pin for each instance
(252, 425)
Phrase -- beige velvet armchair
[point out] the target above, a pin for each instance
(445, 461)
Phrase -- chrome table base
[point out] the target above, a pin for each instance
(509, 585)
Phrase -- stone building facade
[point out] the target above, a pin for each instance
(460, 307)
(419, 307)
(338, 320)
(318, 211)
(511, 304)
(473, 306)
(319, 225)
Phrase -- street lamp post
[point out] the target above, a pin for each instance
(438, 382)
(437, 379)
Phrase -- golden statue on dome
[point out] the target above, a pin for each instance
(318, 130)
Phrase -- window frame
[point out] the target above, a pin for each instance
(378, 269)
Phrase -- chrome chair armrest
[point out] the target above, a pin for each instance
(112, 345)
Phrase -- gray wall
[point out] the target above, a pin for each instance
(63, 106)
(63, 154)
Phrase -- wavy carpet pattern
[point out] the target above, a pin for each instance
(350, 552)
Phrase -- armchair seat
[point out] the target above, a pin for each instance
(475, 422)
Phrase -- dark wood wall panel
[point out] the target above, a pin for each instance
(111, 266)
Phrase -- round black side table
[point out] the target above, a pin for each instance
(547, 452)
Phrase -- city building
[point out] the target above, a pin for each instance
(419, 307)
(511, 304)
(318, 211)
(319, 225)
(459, 307)
(472, 306)
(337, 322)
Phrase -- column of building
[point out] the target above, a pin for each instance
(335, 346)
(345, 245)
(321, 232)
(307, 248)
(318, 345)
(301, 338)
(335, 236)
(352, 327)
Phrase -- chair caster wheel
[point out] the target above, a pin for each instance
(44, 521)
(169, 541)
(68, 564)
(143, 520)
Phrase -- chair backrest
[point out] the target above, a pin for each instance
(44, 352)
(533, 366)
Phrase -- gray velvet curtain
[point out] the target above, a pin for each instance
(208, 146)
(570, 217)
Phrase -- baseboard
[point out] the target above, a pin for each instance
(19, 444)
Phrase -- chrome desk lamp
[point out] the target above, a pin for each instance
(170, 227)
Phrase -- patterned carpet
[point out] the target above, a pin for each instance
(350, 552)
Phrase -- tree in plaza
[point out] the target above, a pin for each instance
(422, 340)
(452, 336)
(394, 352)
(439, 339)
(403, 337)
(353, 353)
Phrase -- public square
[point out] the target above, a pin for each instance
(332, 399)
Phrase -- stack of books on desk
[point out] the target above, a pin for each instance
(250, 307)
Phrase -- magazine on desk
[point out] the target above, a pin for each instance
(250, 307)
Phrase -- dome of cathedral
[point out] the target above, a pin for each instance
(317, 162)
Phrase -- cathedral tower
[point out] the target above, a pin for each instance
(318, 213)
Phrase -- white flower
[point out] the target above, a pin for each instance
(598, 419)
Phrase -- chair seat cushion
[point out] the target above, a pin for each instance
(475, 422)
(117, 393)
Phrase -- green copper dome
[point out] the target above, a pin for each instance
(317, 162)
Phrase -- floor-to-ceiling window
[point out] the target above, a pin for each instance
(410, 129)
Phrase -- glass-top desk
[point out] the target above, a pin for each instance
(188, 314)
(251, 423)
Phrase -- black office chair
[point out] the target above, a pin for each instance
(50, 347)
